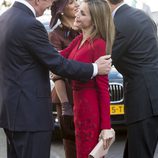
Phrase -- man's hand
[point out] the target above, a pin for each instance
(104, 64)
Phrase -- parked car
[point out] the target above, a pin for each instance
(116, 97)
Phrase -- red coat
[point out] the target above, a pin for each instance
(91, 98)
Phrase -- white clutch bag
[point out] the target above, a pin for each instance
(98, 151)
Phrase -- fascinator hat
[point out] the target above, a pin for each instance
(56, 10)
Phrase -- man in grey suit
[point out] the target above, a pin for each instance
(26, 56)
(135, 55)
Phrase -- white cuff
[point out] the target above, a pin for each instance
(95, 70)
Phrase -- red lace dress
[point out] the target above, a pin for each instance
(91, 98)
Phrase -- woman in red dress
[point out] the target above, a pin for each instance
(91, 98)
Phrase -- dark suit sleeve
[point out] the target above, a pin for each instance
(37, 43)
(119, 47)
(132, 32)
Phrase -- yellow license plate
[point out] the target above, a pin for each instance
(116, 109)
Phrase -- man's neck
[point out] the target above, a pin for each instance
(114, 6)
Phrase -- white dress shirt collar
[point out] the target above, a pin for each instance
(28, 5)
(115, 10)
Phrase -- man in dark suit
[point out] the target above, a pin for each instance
(26, 56)
(135, 55)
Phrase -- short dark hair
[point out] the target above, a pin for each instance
(115, 1)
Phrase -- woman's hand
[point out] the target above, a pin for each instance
(107, 135)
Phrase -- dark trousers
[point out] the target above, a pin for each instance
(28, 144)
(142, 138)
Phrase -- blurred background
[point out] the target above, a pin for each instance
(149, 6)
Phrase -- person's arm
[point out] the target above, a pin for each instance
(126, 36)
(119, 47)
(102, 84)
(105, 59)
(35, 40)
(61, 91)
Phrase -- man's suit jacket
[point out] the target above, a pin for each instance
(26, 56)
(135, 55)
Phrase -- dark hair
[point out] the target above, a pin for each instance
(115, 1)
(56, 10)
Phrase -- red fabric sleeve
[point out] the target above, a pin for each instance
(102, 84)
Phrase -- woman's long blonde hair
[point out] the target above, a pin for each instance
(103, 23)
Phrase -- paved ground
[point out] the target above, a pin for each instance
(57, 150)
(2, 145)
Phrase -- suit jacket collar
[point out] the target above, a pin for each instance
(122, 8)
(23, 7)
(115, 10)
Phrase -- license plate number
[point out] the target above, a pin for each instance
(117, 109)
